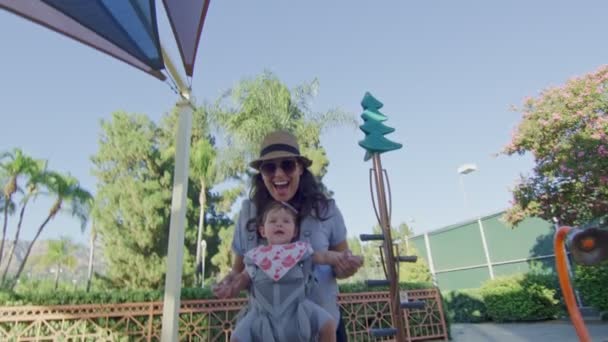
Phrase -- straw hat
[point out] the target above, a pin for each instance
(279, 144)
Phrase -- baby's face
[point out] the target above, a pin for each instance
(279, 227)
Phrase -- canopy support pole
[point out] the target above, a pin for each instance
(175, 253)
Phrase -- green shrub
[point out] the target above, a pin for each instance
(466, 306)
(519, 298)
(591, 283)
(65, 297)
(362, 287)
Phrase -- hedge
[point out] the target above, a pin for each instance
(70, 297)
(519, 298)
(466, 306)
(591, 282)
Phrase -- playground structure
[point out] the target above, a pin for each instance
(375, 143)
(588, 247)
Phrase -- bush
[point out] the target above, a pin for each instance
(591, 283)
(64, 297)
(519, 298)
(466, 306)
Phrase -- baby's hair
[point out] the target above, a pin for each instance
(274, 205)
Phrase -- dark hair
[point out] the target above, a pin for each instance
(308, 199)
(276, 205)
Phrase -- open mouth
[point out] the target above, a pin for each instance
(281, 186)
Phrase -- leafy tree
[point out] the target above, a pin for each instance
(134, 167)
(60, 255)
(133, 200)
(37, 178)
(258, 106)
(13, 165)
(70, 197)
(223, 258)
(566, 130)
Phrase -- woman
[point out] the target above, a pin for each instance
(284, 176)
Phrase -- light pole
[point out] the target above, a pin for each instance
(465, 169)
(203, 249)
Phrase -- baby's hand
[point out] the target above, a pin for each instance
(347, 264)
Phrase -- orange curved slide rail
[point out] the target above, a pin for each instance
(564, 282)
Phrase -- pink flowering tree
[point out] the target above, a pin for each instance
(566, 130)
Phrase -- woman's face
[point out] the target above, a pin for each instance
(281, 177)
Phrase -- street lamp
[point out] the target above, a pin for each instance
(463, 170)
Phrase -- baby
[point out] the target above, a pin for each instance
(281, 281)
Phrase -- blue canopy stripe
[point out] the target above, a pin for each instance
(44, 15)
(118, 22)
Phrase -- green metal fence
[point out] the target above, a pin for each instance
(465, 255)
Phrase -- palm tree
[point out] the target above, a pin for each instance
(91, 255)
(202, 163)
(37, 176)
(59, 255)
(17, 165)
(68, 192)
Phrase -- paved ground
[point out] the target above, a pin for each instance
(554, 331)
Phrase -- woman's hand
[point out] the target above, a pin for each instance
(347, 264)
(231, 285)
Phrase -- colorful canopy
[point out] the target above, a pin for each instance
(125, 29)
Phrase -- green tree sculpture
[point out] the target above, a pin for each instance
(374, 129)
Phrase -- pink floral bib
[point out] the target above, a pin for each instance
(277, 260)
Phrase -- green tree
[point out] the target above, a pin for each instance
(133, 200)
(223, 258)
(70, 197)
(60, 256)
(258, 106)
(566, 130)
(134, 167)
(14, 165)
(37, 178)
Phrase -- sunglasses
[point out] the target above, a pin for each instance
(287, 165)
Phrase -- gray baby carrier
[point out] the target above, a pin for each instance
(285, 304)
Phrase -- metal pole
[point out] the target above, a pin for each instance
(485, 248)
(429, 257)
(464, 193)
(173, 279)
(388, 250)
(579, 301)
(175, 253)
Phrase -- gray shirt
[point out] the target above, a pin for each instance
(324, 234)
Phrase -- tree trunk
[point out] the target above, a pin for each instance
(29, 250)
(57, 276)
(91, 256)
(11, 253)
(202, 198)
(9, 190)
(7, 204)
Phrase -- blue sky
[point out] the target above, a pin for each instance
(447, 71)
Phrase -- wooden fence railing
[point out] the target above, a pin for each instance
(203, 320)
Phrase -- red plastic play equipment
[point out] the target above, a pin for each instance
(588, 247)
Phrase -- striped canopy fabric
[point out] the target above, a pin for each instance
(124, 29)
